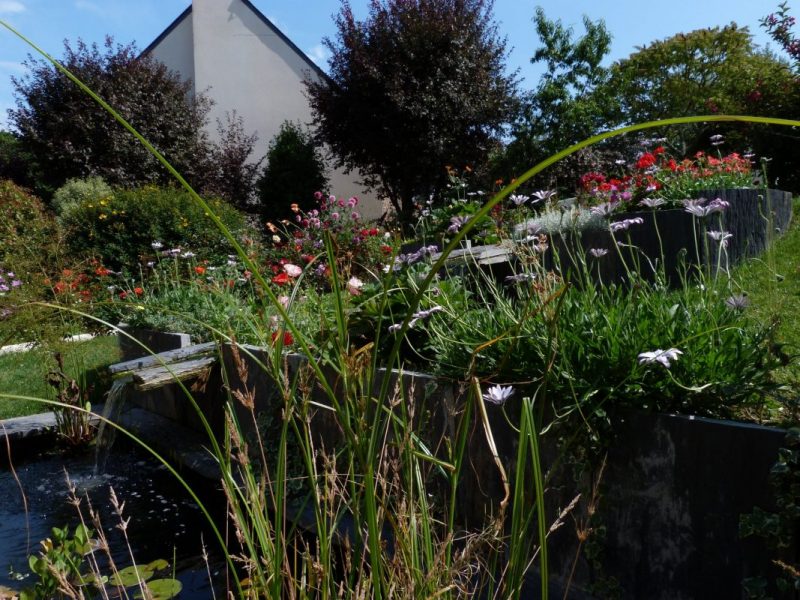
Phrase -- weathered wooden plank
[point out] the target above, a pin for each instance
(168, 357)
(148, 379)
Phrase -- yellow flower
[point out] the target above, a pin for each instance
(102, 216)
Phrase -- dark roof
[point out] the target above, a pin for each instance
(262, 17)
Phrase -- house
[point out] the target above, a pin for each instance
(229, 50)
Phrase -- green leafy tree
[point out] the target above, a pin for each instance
(569, 104)
(69, 135)
(15, 163)
(416, 86)
(708, 71)
(295, 170)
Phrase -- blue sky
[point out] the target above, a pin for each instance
(307, 22)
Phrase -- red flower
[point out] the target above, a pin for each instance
(123, 295)
(101, 271)
(138, 291)
(659, 150)
(281, 279)
(60, 287)
(646, 160)
(288, 340)
(200, 270)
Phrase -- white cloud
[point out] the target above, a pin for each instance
(11, 7)
(319, 54)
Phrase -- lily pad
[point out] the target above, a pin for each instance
(158, 564)
(90, 578)
(162, 589)
(130, 576)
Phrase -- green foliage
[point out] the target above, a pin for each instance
(773, 287)
(61, 557)
(64, 571)
(15, 163)
(711, 71)
(295, 170)
(70, 136)
(569, 104)
(122, 228)
(25, 373)
(778, 26)
(79, 191)
(779, 528)
(186, 296)
(72, 423)
(414, 87)
(587, 343)
(26, 228)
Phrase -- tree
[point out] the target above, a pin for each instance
(569, 104)
(295, 169)
(779, 26)
(69, 135)
(418, 85)
(15, 164)
(231, 174)
(709, 71)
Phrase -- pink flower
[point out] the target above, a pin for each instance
(292, 270)
(354, 286)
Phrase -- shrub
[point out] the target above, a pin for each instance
(231, 174)
(359, 249)
(122, 228)
(295, 170)
(77, 191)
(27, 230)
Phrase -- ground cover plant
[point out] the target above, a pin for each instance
(383, 476)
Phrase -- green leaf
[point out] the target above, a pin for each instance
(130, 576)
(158, 564)
(162, 589)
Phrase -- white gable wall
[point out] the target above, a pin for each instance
(230, 53)
(176, 49)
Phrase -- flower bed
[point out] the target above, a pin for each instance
(677, 239)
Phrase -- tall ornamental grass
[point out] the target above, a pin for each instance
(385, 504)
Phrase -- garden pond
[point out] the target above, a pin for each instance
(165, 525)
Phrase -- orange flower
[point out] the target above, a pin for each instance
(295, 208)
(138, 291)
(200, 270)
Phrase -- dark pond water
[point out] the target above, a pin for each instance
(165, 522)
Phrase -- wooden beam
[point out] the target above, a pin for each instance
(155, 377)
(168, 357)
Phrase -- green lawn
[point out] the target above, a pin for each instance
(24, 373)
(772, 283)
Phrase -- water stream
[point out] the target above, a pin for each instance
(106, 434)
